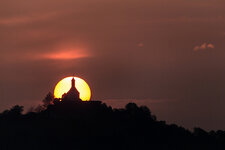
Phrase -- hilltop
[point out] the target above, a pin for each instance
(94, 125)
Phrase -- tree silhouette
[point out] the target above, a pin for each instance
(14, 112)
(48, 99)
(94, 125)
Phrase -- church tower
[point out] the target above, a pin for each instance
(72, 94)
(73, 83)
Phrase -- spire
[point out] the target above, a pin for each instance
(73, 83)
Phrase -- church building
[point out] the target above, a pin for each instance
(73, 94)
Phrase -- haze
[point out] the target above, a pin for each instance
(166, 54)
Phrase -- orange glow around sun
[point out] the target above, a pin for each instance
(64, 86)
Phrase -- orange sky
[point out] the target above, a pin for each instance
(130, 49)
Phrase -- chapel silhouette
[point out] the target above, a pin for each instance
(73, 94)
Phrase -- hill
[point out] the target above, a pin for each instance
(94, 125)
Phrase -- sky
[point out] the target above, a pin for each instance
(166, 54)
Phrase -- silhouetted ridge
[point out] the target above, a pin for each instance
(94, 125)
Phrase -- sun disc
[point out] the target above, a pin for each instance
(64, 86)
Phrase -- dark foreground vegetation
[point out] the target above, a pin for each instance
(93, 125)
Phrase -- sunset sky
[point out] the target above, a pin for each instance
(166, 54)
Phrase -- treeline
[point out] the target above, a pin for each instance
(93, 125)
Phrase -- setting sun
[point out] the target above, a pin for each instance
(64, 86)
